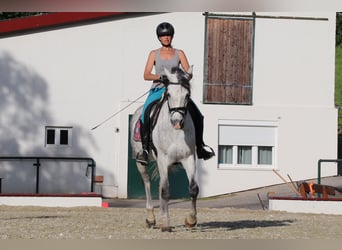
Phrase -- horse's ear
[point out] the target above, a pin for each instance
(172, 77)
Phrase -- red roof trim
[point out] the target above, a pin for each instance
(49, 20)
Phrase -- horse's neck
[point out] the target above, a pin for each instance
(163, 122)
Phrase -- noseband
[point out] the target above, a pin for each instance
(182, 110)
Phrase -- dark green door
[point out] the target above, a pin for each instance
(179, 184)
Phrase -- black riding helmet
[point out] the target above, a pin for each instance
(165, 29)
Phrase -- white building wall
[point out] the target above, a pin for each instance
(92, 71)
(293, 85)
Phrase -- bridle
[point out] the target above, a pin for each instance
(180, 78)
(182, 110)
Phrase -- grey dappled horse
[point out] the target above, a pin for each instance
(174, 142)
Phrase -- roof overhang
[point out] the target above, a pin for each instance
(51, 20)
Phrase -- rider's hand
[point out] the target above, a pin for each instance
(164, 79)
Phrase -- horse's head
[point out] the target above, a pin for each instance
(177, 95)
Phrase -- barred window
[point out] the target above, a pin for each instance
(228, 68)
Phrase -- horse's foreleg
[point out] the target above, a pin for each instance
(164, 196)
(150, 218)
(190, 168)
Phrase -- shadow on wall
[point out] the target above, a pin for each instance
(24, 109)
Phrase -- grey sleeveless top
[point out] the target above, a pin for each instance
(160, 64)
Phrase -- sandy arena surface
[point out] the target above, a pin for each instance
(236, 216)
(128, 223)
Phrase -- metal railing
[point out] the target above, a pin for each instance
(37, 163)
(320, 166)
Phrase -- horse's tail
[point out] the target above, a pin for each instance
(155, 171)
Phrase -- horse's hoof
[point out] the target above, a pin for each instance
(190, 224)
(150, 224)
(166, 229)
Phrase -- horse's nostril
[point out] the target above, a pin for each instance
(177, 124)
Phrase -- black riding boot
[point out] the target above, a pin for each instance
(142, 156)
(197, 118)
(145, 134)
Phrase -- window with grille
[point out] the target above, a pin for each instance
(228, 69)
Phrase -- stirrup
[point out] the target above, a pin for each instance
(204, 154)
(142, 157)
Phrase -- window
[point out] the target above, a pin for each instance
(244, 155)
(228, 68)
(248, 144)
(57, 136)
(64, 137)
(50, 136)
(265, 155)
(225, 154)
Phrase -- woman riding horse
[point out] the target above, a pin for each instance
(173, 143)
(167, 57)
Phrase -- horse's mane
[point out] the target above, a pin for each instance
(183, 78)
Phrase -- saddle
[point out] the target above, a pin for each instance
(151, 116)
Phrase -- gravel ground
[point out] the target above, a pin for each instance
(234, 216)
(128, 223)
